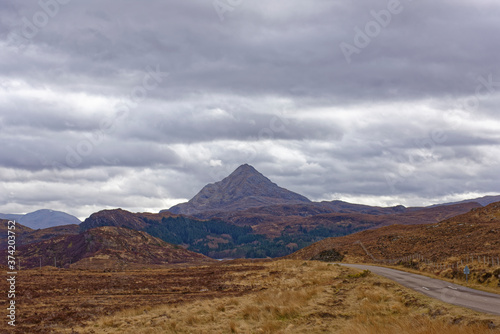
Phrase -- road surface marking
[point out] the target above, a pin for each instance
(425, 288)
(452, 287)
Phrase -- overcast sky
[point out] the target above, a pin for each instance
(139, 104)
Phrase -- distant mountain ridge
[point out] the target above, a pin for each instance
(44, 218)
(484, 201)
(244, 188)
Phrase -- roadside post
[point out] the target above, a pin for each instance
(466, 272)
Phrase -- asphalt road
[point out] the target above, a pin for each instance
(435, 288)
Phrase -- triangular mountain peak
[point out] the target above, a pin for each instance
(242, 189)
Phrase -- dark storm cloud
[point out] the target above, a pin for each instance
(180, 94)
(426, 50)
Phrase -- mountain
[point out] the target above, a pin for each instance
(242, 189)
(117, 217)
(106, 247)
(43, 219)
(475, 232)
(11, 217)
(484, 201)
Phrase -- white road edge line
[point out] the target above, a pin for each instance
(452, 287)
(425, 288)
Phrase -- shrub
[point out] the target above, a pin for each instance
(364, 273)
(330, 255)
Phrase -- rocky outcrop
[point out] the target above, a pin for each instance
(244, 188)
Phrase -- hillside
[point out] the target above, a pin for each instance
(272, 221)
(49, 233)
(116, 217)
(242, 189)
(476, 232)
(110, 247)
(20, 230)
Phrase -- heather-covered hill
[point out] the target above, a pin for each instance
(25, 235)
(115, 217)
(49, 233)
(475, 232)
(106, 247)
(20, 230)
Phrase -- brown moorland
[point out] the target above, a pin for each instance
(241, 297)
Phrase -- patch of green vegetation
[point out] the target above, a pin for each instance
(330, 255)
(219, 239)
(364, 273)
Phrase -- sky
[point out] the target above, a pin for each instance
(139, 104)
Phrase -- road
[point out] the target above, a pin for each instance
(435, 288)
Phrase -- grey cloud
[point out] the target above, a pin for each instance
(228, 81)
(252, 55)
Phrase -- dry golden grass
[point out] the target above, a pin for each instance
(302, 297)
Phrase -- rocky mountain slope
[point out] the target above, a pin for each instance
(476, 232)
(242, 189)
(116, 217)
(109, 247)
